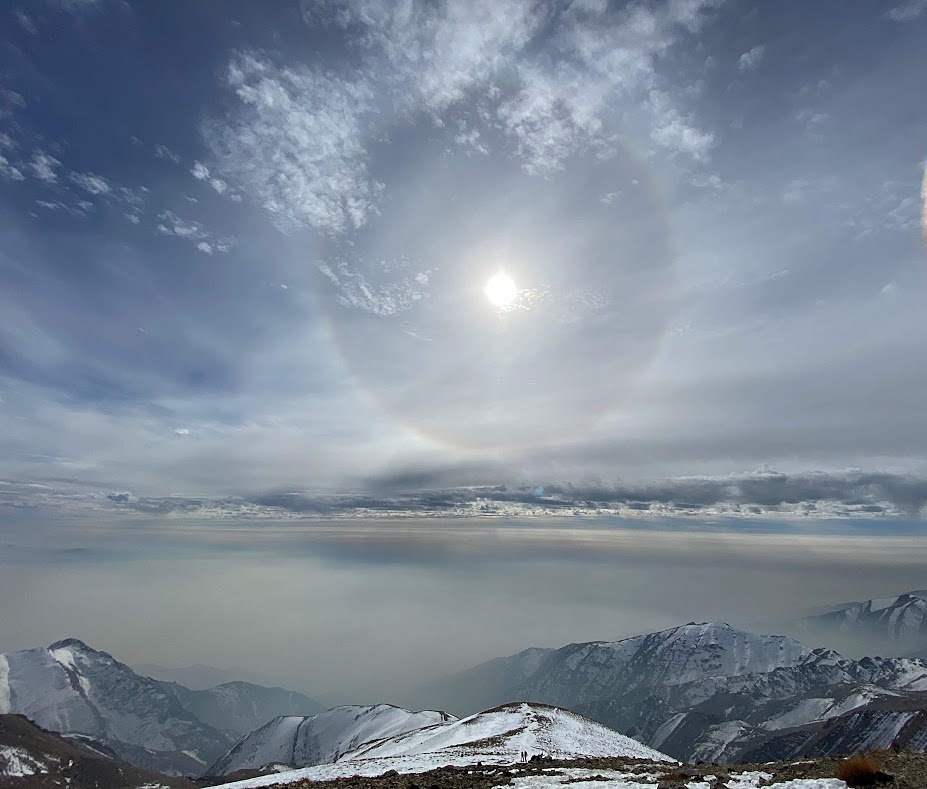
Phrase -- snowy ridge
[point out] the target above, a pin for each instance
(583, 672)
(497, 736)
(320, 739)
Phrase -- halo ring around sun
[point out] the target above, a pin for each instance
(486, 308)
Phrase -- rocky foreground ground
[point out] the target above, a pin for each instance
(896, 771)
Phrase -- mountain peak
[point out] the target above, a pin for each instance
(76, 643)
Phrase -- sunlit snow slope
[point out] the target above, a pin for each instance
(497, 736)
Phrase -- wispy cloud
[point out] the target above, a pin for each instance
(387, 299)
(163, 152)
(676, 132)
(201, 172)
(44, 167)
(908, 11)
(752, 58)
(9, 171)
(26, 22)
(189, 230)
(299, 143)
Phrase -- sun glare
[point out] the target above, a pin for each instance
(500, 289)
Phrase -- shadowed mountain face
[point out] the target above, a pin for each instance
(241, 707)
(199, 676)
(33, 758)
(74, 689)
(887, 626)
(695, 692)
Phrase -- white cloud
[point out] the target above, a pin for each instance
(297, 145)
(384, 299)
(676, 132)
(435, 53)
(298, 142)
(9, 170)
(908, 11)
(201, 172)
(101, 187)
(163, 152)
(189, 230)
(92, 183)
(173, 225)
(750, 59)
(601, 57)
(78, 209)
(43, 167)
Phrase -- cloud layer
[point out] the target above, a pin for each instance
(764, 494)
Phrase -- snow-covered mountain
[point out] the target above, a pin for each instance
(71, 688)
(892, 625)
(494, 737)
(700, 691)
(582, 675)
(241, 707)
(321, 739)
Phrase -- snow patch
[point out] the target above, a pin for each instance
(65, 657)
(5, 705)
(18, 762)
(748, 780)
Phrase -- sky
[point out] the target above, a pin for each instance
(398, 267)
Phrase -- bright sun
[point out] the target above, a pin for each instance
(500, 289)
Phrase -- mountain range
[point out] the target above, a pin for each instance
(887, 626)
(701, 691)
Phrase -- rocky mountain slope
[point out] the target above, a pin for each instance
(74, 689)
(241, 707)
(33, 758)
(71, 688)
(701, 691)
(321, 739)
(898, 771)
(495, 737)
